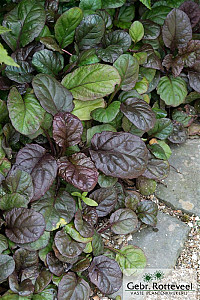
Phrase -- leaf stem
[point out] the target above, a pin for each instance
(112, 249)
(67, 52)
(79, 204)
(105, 228)
(50, 141)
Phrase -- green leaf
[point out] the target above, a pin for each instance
(66, 25)
(136, 31)
(142, 86)
(106, 181)
(109, 54)
(106, 115)
(4, 29)
(41, 243)
(26, 21)
(90, 4)
(128, 68)
(112, 3)
(131, 260)
(157, 14)
(162, 129)
(26, 114)
(5, 58)
(97, 244)
(97, 129)
(146, 186)
(20, 74)
(48, 62)
(89, 201)
(7, 265)
(172, 90)
(90, 31)
(83, 109)
(75, 235)
(3, 243)
(166, 148)
(5, 166)
(92, 82)
(147, 3)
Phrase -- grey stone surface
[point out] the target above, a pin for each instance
(162, 248)
(183, 190)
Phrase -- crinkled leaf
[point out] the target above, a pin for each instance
(25, 113)
(194, 80)
(106, 181)
(39, 244)
(42, 281)
(132, 199)
(66, 24)
(90, 31)
(7, 265)
(106, 115)
(139, 113)
(117, 38)
(191, 53)
(83, 109)
(147, 212)
(67, 129)
(119, 154)
(110, 54)
(48, 62)
(131, 259)
(53, 96)
(55, 207)
(26, 21)
(162, 129)
(123, 221)
(40, 165)
(177, 30)
(172, 90)
(78, 170)
(82, 264)
(156, 169)
(181, 117)
(178, 135)
(67, 246)
(175, 63)
(105, 273)
(157, 14)
(21, 74)
(151, 30)
(97, 129)
(25, 259)
(24, 225)
(192, 9)
(54, 265)
(128, 68)
(24, 288)
(83, 227)
(9, 201)
(106, 199)
(92, 81)
(73, 287)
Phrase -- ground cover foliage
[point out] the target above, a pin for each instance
(92, 93)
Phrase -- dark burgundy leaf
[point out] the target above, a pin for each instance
(42, 167)
(157, 169)
(67, 246)
(177, 30)
(106, 199)
(139, 113)
(190, 53)
(24, 225)
(175, 63)
(78, 170)
(194, 80)
(179, 134)
(105, 273)
(117, 38)
(26, 53)
(67, 129)
(25, 259)
(123, 221)
(147, 212)
(30, 273)
(84, 228)
(192, 9)
(54, 265)
(67, 260)
(24, 288)
(81, 265)
(90, 215)
(5, 83)
(42, 281)
(73, 287)
(119, 154)
(153, 61)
